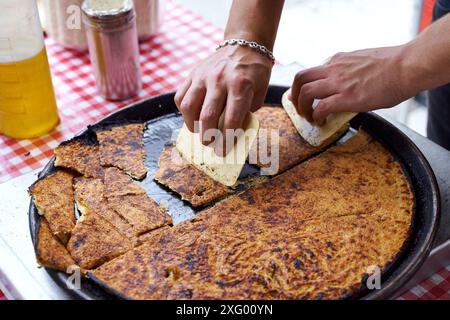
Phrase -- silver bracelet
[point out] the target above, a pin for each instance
(251, 44)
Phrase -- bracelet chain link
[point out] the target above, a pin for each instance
(251, 44)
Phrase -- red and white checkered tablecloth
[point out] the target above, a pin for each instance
(185, 39)
(437, 287)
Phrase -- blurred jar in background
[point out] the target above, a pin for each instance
(113, 47)
(27, 101)
(149, 14)
(62, 22)
(58, 18)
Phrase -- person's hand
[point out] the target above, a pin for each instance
(355, 82)
(234, 79)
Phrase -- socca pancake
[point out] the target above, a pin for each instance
(80, 156)
(119, 184)
(326, 261)
(53, 197)
(293, 149)
(131, 201)
(192, 184)
(150, 236)
(281, 244)
(358, 177)
(95, 241)
(89, 197)
(50, 252)
(123, 147)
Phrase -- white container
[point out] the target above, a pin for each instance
(63, 23)
(149, 15)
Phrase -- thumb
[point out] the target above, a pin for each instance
(325, 107)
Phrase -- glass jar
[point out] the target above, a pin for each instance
(27, 100)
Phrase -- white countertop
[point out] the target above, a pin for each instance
(20, 276)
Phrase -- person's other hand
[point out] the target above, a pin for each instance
(233, 78)
(355, 82)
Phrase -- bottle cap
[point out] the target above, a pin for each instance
(105, 14)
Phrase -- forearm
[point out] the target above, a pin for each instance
(426, 59)
(255, 20)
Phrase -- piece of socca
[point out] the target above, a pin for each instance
(290, 149)
(123, 147)
(95, 241)
(80, 155)
(131, 201)
(151, 235)
(89, 196)
(53, 198)
(100, 227)
(50, 252)
(192, 184)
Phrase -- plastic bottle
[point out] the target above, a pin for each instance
(27, 101)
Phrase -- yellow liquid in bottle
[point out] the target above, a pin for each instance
(27, 100)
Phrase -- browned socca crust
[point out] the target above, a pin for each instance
(53, 197)
(89, 198)
(293, 149)
(131, 201)
(103, 233)
(50, 252)
(79, 156)
(123, 147)
(95, 241)
(192, 184)
(315, 235)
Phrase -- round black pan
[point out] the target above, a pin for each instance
(426, 193)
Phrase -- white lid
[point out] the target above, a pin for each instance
(106, 7)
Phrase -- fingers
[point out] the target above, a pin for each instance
(239, 102)
(320, 89)
(258, 100)
(211, 111)
(191, 105)
(332, 104)
(303, 77)
(181, 92)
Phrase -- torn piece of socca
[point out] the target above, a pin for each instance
(192, 184)
(50, 252)
(53, 197)
(89, 196)
(95, 241)
(81, 156)
(123, 147)
(151, 235)
(131, 201)
(293, 149)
